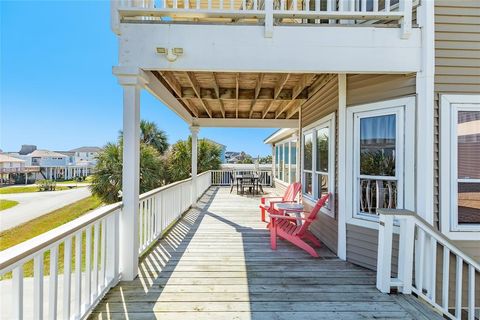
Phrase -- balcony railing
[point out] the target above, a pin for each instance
(267, 12)
(89, 247)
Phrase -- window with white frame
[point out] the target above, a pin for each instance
(285, 160)
(318, 170)
(460, 164)
(380, 166)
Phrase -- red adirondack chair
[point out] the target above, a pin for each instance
(289, 196)
(286, 227)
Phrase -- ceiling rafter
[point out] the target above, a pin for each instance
(278, 88)
(217, 92)
(257, 92)
(177, 88)
(301, 85)
(196, 88)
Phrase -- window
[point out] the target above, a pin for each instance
(285, 160)
(319, 160)
(380, 167)
(460, 166)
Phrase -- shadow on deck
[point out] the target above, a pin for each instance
(216, 263)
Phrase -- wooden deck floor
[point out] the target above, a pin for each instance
(216, 263)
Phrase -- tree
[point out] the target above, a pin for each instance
(150, 134)
(180, 158)
(265, 160)
(107, 177)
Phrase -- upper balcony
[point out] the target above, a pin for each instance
(269, 35)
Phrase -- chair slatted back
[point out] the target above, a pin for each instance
(292, 191)
(313, 214)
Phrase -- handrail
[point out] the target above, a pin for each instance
(24, 250)
(419, 239)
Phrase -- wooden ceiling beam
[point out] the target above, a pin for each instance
(299, 88)
(257, 91)
(276, 92)
(217, 92)
(177, 88)
(196, 87)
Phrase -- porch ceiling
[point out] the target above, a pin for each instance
(240, 95)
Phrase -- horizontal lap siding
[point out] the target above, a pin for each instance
(457, 71)
(362, 242)
(321, 103)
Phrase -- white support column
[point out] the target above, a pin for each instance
(132, 81)
(425, 114)
(342, 154)
(194, 131)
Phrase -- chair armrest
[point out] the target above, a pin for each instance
(276, 216)
(266, 198)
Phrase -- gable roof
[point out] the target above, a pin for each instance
(46, 153)
(87, 149)
(6, 158)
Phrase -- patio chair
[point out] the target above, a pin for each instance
(233, 181)
(248, 182)
(286, 228)
(289, 196)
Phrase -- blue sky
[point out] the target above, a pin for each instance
(57, 89)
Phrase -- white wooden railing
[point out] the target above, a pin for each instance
(93, 258)
(267, 12)
(161, 207)
(423, 251)
(226, 177)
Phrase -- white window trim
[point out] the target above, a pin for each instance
(408, 174)
(327, 121)
(448, 169)
(291, 141)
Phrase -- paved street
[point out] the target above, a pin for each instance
(35, 204)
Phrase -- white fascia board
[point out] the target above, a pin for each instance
(245, 123)
(279, 135)
(296, 49)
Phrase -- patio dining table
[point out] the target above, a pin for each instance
(242, 180)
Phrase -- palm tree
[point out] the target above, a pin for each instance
(180, 158)
(150, 134)
(107, 178)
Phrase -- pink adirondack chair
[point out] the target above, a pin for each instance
(289, 196)
(286, 228)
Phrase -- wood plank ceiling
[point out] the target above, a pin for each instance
(240, 95)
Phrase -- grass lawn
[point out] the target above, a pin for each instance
(6, 204)
(9, 190)
(43, 224)
(72, 181)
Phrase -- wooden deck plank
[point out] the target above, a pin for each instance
(216, 263)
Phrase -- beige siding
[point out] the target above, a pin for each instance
(457, 71)
(366, 88)
(322, 101)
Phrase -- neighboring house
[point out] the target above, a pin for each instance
(86, 154)
(231, 156)
(9, 165)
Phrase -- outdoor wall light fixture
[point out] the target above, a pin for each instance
(171, 54)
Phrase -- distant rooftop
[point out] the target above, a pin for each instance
(87, 149)
(6, 158)
(46, 153)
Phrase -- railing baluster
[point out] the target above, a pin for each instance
(384, 255)
(458, 287)
(433, 269)
(78, 274)
(96, 236)
(375, 5)
(67, 268)
(38, 286)
(364, 5)
(221, 4)
(255, 4)
(387, 5)
(186, 4)
(103, 254)
(17, 288)
(232, 7)
(53, 284)
(405, 252)
(471, 292)
(420, 258)
(140, 223)
(88, 266)
(209, 4)
(445, 277)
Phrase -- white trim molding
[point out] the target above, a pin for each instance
(342, 155)
(327, 122)
(449, 107)
(404, 111)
